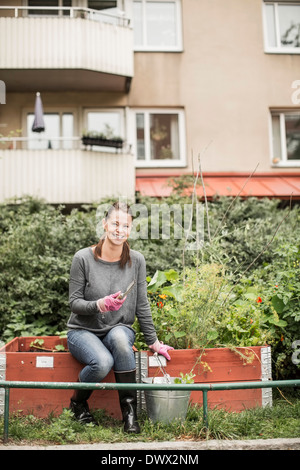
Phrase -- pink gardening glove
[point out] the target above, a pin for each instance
(161, 348)
(110, 303)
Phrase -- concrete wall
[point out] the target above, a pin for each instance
(225, 82)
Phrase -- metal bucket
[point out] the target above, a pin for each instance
(166, 405)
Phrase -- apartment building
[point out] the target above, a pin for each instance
(174, 79)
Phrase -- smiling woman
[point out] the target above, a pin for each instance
(100, 332)
(117, 225)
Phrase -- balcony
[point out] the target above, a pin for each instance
(72, 175)
(82, 48)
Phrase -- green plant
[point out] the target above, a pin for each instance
(165, 283)
(279, 286)
(203, 292)
(107, 134)
(37, 245)
(61, 429)
(38, 343)
(279, 421)
(38, 242)
(241, 322)
(5, 140)
(164, 294)
(187, 378)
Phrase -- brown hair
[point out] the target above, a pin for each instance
(125, 256)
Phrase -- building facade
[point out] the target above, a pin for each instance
(175, 79)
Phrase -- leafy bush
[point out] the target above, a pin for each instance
(36, 250)
(251, 251)
(209, 310)
(278, 285)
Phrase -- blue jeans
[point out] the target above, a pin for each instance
(114, 350)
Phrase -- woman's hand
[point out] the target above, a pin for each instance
(161, 348)
(110, 303)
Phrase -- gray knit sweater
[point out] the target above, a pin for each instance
(92, 279)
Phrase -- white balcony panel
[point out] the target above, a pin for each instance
(66, 176)
(66, 43)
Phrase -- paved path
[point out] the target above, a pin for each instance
(254, 444)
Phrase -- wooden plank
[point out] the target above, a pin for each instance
(12, 346)
(230, 400)
(217, 365)
(41, 402)
(49, 342)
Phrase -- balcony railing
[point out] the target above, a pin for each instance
(67, 173)
(117, 18)
(65, 38)
(40, 142)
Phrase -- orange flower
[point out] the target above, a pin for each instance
(160, 304)
(163, 296)
(259, 300)
(251, 321)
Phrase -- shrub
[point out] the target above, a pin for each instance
(223, 279)
(36, 250)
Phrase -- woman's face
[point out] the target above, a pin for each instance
(118, 226)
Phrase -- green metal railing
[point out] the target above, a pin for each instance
(204, 388)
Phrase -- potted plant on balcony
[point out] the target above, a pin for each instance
(102, 139)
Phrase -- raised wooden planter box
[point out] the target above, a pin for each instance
(21, 364)
(223, 365)
(17, 362)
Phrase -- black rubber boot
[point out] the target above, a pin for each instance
(80, 407)
(128, 402)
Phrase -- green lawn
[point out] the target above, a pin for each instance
(282, 420)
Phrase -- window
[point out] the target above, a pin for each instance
(157, 25)
(102, 4)
(49, 3)
(58, 129)
(106, 11)
(159, 138)
(106, 122)
(286, 138)
(282, 27)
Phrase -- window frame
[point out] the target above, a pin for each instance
(52, 110)
(101, 9)
(47, 13)
(278, 49)
(178, 16)
(284, 162)
(122, 118)
(158, 163)
(119, 110)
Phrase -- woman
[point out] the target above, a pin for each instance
(100, 326)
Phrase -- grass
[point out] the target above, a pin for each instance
(282, 420)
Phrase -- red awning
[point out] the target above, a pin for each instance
(264, 185)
